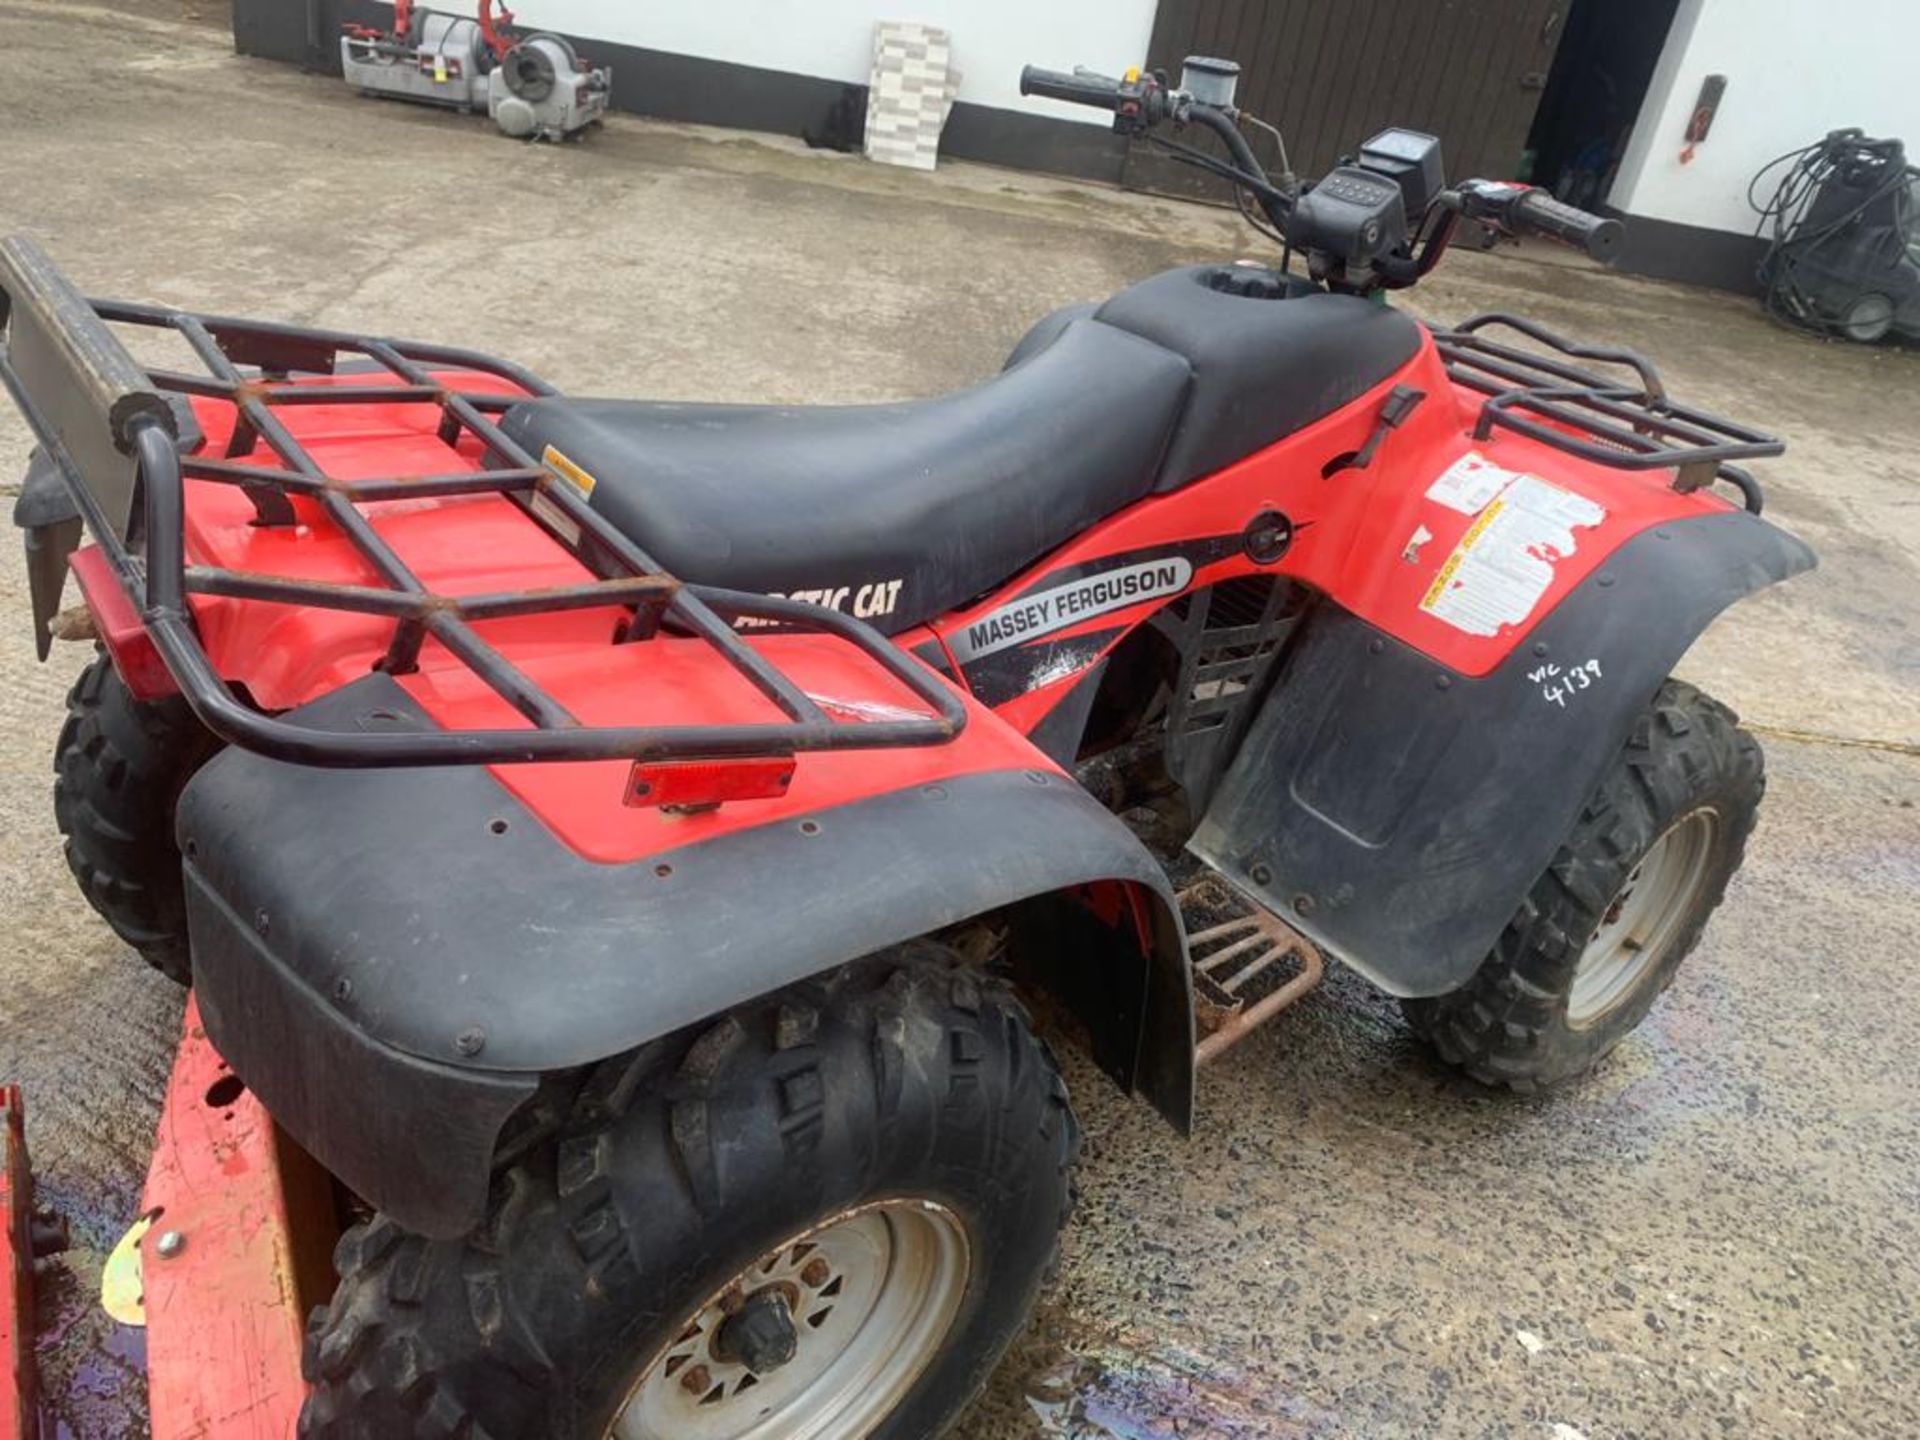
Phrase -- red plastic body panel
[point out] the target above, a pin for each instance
(224, 1312)
(1371, 539)
(288, 655)
(19, 1418)
(663, 679)
(128, 645)
(1353, 527)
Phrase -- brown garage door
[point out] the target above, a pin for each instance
(1330, 73)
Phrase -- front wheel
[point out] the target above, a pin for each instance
(1603, 931)
(824, 1218)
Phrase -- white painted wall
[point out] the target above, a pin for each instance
(1795, 70)
(833, 39)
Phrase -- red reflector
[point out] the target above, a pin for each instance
(118, 623)
(702, 784)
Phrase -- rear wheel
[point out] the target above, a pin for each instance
(1603, 931)
(119, 767)
(824, 1335)
(824, 1218)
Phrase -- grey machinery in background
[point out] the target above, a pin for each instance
(536, 87)
(1843, 238)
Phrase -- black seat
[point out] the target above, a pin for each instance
(1270, 355)
(901, 512)
(897, 512)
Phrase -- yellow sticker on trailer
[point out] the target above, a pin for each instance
(561, 466)
(440, 69)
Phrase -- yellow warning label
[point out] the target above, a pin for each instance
(1444, 576)
(561, 466)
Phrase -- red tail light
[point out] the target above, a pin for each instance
(118, 625)
(703, 784)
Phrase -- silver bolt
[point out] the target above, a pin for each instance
(170, 1244)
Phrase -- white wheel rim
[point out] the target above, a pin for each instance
(872, 1294)
(1644, 918)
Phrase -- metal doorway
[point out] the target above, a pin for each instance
(1330, 73)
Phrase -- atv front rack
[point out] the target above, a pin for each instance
(116, 432)
(1628, 426)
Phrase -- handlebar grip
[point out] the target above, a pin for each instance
(1599, 236)
(1094, 90)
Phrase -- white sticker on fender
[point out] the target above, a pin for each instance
(1069, 603)
(1504, 563)
(1469, 483)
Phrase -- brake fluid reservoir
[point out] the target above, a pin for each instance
(1210, 81)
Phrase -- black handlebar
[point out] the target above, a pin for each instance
(1082, 89)
(1142, 101)
(1538, 211)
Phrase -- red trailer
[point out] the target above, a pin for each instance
(16, 1273)
(231, 1248)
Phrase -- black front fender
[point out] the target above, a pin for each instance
(391, 958)
(1397, 812)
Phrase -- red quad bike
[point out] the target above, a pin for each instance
(619, 840)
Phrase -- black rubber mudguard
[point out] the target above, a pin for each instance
(392, 958)
(46, 511)
(1397, 812)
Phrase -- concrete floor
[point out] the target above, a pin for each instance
(1714, 1234)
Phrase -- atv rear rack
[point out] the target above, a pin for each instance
(1627, 426)
(117, 434)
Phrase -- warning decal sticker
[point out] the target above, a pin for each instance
(1469, 483)
(1504, 563)
(567, 470)
(545, 509)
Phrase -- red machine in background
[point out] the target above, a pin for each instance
(534, 83)
(496, 32)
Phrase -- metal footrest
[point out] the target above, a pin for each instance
(1248, 964)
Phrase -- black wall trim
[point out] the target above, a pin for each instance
(1694, 254)
(1032, 142)
(826, 113)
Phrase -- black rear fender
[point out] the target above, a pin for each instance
(392, 959)
(46, 511)
(1398, 812)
